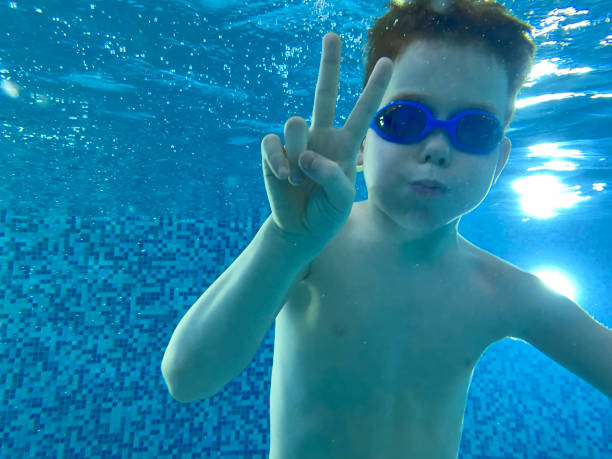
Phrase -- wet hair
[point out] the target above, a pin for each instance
(464, 22)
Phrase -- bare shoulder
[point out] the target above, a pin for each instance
(508, 285)
(493, 266)
(331, 257)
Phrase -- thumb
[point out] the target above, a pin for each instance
(329, 176)
(307, 160)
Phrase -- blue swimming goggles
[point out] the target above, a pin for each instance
(406, 121)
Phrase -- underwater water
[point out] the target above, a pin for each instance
(130, 178)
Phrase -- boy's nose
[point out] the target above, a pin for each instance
(436, 148)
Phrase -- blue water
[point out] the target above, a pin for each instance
(130, 178)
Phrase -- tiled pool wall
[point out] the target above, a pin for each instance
(88, 307)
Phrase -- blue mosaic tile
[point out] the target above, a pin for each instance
(90, 304)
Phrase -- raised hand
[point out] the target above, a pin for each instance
(313, 209)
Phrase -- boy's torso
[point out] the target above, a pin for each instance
(375, 361)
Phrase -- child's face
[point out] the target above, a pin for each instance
(448, 78)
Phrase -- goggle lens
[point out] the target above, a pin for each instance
(478, 131)
(404, 121)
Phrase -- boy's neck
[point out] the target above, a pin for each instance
(432, 248)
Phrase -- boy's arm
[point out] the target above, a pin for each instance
(563, 331)
(219, 335)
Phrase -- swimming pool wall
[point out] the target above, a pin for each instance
(89, 305)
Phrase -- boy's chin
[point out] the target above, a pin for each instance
(409, 223)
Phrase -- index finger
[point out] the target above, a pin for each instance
(326, 92)
(365, 108)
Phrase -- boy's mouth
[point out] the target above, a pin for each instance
(430, 184)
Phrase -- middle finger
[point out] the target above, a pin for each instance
(326, 91)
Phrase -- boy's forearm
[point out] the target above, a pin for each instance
(220, 334)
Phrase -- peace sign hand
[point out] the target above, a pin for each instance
(314, 211)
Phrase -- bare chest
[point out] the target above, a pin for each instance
(362, 340)
(388, 326)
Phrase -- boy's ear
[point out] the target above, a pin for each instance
(506, 146)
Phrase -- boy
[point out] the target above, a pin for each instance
(382, 309)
